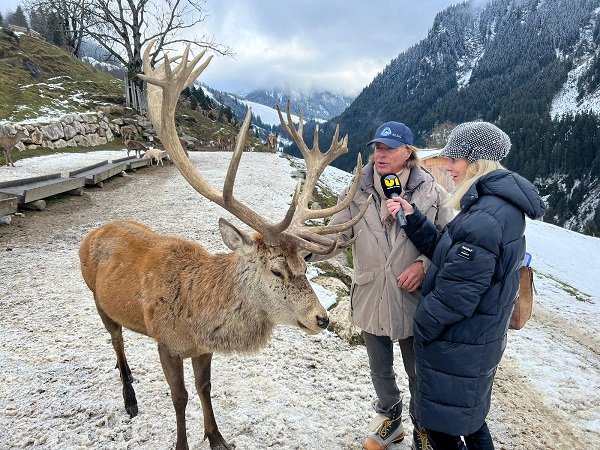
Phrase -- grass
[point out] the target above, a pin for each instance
(573, 292)
(37, 78)
(45, 78)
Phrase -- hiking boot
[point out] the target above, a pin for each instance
(385, 429)
(420, 440)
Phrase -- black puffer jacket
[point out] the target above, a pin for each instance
(469, 291)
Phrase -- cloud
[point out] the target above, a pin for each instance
(335, 45)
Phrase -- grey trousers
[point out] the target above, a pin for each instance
(381, 362)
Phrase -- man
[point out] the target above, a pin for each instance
(388, 272)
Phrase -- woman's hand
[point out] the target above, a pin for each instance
(394, 205)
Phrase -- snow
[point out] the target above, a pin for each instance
(267, 115)
(566, 101)
(60, 389)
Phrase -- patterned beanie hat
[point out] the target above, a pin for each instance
(477, 140)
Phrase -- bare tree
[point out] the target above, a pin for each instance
(439, 135)
(123, 27)
(67, 18)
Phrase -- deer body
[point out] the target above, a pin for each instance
(8, 143)
(128, 132)
(152, 154)
(135, 146)
(192, 302)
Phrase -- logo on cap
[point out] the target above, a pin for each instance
(386, 131)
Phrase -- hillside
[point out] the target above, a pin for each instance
(40, 82)
(532, 67)
(39, 79)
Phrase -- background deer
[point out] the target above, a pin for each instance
(184, 146)
(137, 147)
(272, 141)
(153, 154)
(8, 143)
(128, 132)
(192, 302)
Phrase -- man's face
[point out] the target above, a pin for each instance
(390, 160)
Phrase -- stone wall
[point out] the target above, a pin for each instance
(76, 130)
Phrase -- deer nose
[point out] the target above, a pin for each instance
(322, 322)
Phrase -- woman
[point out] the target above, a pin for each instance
(469, 290)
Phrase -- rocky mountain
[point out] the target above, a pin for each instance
(530, 66)
(318, 106)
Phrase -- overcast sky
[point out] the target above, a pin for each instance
(336, 45)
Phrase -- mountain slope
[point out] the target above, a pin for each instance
(38, 79)
(317, 106)
(511, 62)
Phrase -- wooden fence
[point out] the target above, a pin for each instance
(135, 98)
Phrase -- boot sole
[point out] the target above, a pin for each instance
(372, 444)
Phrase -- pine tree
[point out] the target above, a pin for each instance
(18, 18)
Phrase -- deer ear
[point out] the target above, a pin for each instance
(235, 239)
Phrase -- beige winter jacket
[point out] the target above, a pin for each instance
(379, 306)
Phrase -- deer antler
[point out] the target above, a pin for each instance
(164, 87)
(316, 162)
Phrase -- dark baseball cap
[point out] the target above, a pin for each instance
(393, 134)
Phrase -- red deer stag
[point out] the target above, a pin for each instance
(8, 143)
(204, 303)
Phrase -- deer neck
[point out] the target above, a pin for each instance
(238, 322)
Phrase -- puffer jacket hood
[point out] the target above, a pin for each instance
(509, 186)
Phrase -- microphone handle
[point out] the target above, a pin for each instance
(400, 217)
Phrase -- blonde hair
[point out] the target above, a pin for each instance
(412, 161)
(475, 170)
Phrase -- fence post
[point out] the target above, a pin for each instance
(135, 98)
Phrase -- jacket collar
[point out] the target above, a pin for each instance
(416, 176)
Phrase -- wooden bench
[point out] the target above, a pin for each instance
(28, 190)
(96, 174)
(8, 204)
(132, 162)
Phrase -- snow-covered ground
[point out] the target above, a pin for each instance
(60, 389)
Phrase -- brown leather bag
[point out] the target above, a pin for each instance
(524, 303)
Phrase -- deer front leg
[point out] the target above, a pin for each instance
(116, 337)
(173, 370)
(201, 365)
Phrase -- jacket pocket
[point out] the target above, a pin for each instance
(359, 278)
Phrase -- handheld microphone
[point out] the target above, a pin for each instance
(392, 188)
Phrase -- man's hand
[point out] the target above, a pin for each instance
(411, 277)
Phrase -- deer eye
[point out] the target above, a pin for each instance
(277, 273)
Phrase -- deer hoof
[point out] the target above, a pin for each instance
(132, 410)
